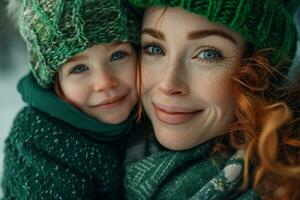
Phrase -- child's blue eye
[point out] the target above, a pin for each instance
(117, 55)
(79, 69)
(153, 50)
(209, 55)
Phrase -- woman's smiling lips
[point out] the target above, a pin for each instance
(110, 103)
(174, 115)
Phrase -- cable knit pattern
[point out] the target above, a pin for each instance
(56, 30)
(46, 158)
(186, 175)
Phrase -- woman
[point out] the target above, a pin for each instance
(210, 72)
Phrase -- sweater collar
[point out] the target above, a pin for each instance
(47, 101)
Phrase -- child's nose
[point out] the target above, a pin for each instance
(105, 81)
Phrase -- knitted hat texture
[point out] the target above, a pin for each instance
(56, 30)
(263, 23)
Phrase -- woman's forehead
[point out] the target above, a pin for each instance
(168, 20)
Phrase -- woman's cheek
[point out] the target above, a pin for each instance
(215, 89)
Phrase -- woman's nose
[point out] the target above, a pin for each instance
(105, 80)
(173, 83)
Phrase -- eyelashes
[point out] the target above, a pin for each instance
(80, 67)
(118, 55)
(204, 54)
(153, 49)
(77, 69)
(209, 54)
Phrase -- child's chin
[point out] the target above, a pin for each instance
(116, 119)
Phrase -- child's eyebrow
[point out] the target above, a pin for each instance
(77, 58)
(114, 44)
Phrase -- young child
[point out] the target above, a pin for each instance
(67, 143)
(210, 76)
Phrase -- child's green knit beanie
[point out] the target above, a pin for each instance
(56, 30)
(263, 23)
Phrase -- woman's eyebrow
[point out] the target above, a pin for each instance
(205, 33)
(154, 33)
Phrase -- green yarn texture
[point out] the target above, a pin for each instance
(186, 175)
(46, 158)
(263, 23)
(56, 30)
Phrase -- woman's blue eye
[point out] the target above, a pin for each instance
(153, 50)
(79, 69)
(117, 55)
(209, 54)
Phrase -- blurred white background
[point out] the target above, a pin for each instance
(13, 65)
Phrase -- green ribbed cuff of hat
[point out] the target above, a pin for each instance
(263, 23)
(56, 30)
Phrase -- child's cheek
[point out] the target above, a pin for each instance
(75, 93)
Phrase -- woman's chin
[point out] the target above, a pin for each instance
(175, 144)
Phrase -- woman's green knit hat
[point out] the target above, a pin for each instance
(56, 30)
(263, 23)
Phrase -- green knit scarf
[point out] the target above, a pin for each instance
(191, 174)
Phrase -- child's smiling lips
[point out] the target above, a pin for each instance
(112, 102)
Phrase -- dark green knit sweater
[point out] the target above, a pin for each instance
(54, 151)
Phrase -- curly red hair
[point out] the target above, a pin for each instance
(266, 130)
